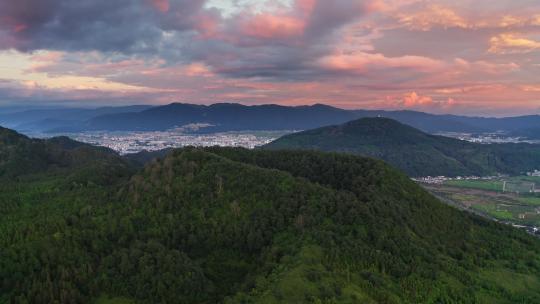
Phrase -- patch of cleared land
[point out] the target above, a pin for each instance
(516, 205)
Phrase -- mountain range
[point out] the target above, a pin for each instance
(236, 117)
(47, 119)
(413, 151)
(224, 225)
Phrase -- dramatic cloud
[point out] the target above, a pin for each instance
(363, 63)
(128, 26)
(432, 16)
(442, 56)
(510, 43)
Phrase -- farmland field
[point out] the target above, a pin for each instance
(516, 205)
(493, 185)
(530, 200)
(519, 184)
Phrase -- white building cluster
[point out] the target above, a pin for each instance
(534, 173)
(487, 138)
(442, 179)
(133, 142)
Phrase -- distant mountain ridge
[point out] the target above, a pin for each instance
(52, 118)
(237, 117)
(222, 117)
(413, 151)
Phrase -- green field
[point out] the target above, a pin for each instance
(535, 179)
(521, 184)
(495, 211)
(493, 185)
(516, 204)
(530, 200)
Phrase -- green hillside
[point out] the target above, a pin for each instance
(414, 152)
(236, 226)
(20, 156)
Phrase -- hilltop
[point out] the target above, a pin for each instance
(413, 151)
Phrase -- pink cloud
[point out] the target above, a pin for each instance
(198, 69)
(472, 89)
(509, 43)
(467, 14)
(51, 56)
(42, 61)
(11, 23)
(161, 5)
(362, 62)
(433, 15)
(301, 21)
(20, 27)
(415, 101)
(462, 66)
(268, 26)
(305, 6)
(208, 26)
(411, 100)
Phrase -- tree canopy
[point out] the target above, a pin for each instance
(224, 225)
(413, 151)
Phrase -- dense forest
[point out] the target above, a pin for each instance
(413, 151)
(224, 225)
(20, 155)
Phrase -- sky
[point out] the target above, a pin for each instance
(460, 56)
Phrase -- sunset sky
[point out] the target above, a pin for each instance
(460, 56)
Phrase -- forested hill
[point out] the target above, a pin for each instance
(413, 151)
(21, 155)
(221, 225)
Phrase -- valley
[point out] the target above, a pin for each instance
(126, 142)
